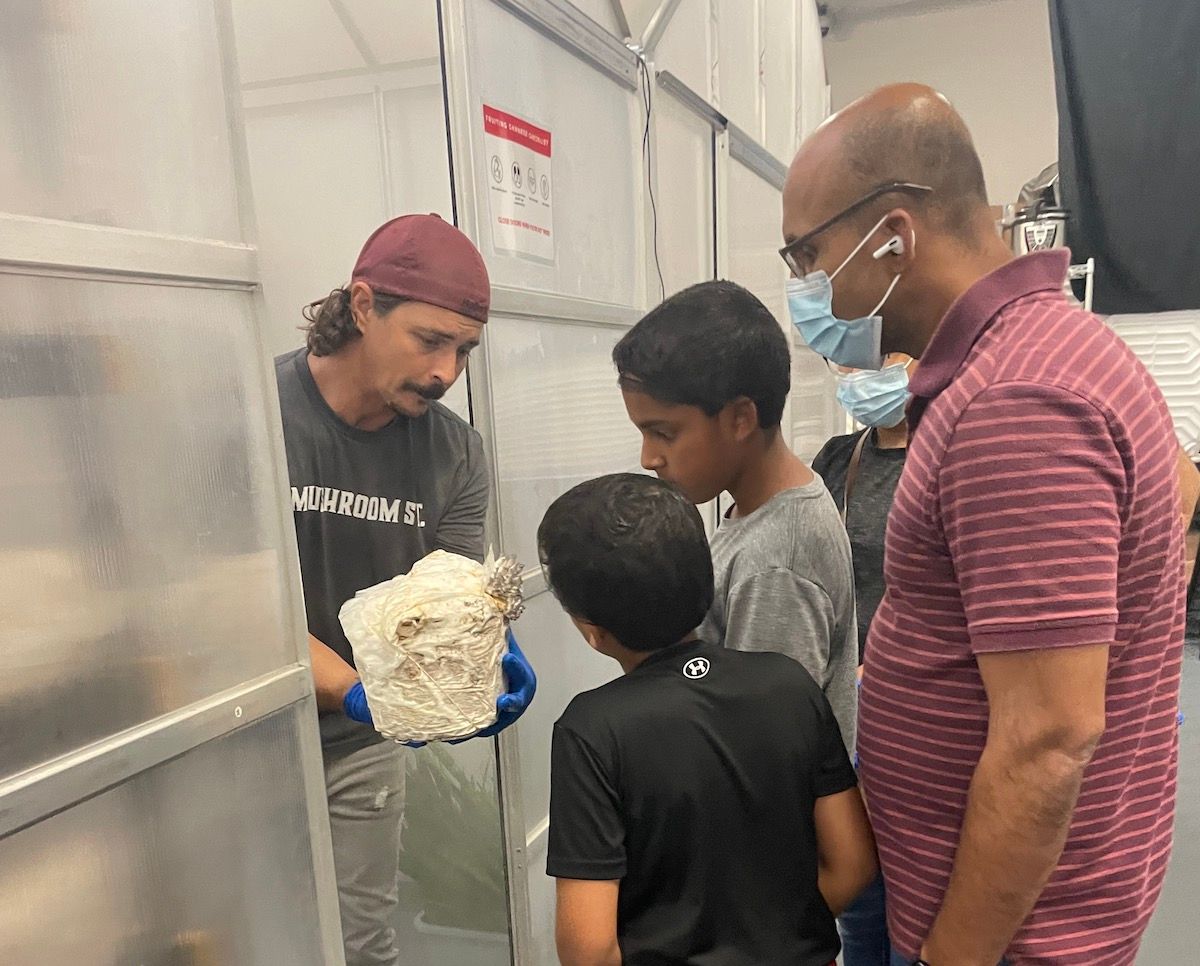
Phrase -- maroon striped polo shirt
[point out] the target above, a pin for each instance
(1038, 509)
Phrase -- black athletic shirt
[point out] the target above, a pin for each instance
(693, 781)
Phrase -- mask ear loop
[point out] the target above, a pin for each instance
(858, 248)
(886, 295)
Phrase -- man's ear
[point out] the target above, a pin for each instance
(899, 225)
(362, 302)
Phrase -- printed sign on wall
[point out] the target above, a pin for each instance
(520, 197)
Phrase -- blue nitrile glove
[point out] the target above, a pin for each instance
(355, 705)
(522, 686)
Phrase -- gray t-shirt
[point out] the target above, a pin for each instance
(784, 583)
(369, 505)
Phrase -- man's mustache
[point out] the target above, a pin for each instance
(434, 391)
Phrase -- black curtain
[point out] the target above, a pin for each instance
(1127, 74)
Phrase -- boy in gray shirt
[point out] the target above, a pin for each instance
(705, 377)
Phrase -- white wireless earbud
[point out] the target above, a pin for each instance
(893, 246)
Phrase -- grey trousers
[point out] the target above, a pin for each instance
(366, 803)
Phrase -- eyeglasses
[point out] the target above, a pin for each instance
(792, 253)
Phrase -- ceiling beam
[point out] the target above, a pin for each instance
(623, 27)
(356, 36)
(657, 26)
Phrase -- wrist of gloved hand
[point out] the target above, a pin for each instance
(356, 708)
(355, 705)
(520, 687)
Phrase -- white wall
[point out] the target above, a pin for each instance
(992, 59)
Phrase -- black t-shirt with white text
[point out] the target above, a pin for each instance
(693, 781)
(370, 504)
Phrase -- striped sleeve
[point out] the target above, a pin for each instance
(1030, 493)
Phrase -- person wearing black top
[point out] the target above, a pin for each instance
(862, 471)
(872, 460)
(703, 808)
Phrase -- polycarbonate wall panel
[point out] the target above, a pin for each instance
(558, 419)
(205, 859)
(754, 217)
(595, 165)
(377, 30)
(815, 414)
(754, 214)
(684, 161)
(337, 146)
(1168, 343)
(812, 92)
(334, 156)
(600, 11)
(314, 206)
(108, 109)
(139, 548)
(777, 77)
(279, 42)
(638, 13)
(542, 905)
(453, 893)
(418, 163)
(566, 666)
(738, 63)
(145, 568)
(686, 45)
(767, 83)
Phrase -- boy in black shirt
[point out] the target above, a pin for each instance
(703, 808)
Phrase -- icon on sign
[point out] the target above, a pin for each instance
(497, 169)
(545, 188)
(531, 180)
(516, 173)
(696, 668)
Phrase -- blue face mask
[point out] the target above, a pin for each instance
(854, 343)
(875, 397)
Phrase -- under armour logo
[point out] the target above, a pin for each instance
(697, 667)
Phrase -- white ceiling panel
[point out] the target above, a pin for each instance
(397, 33)
(294, 39)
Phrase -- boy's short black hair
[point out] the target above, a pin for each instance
(628, 553)
(707, 346)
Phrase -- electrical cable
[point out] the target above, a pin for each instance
(648, 163)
